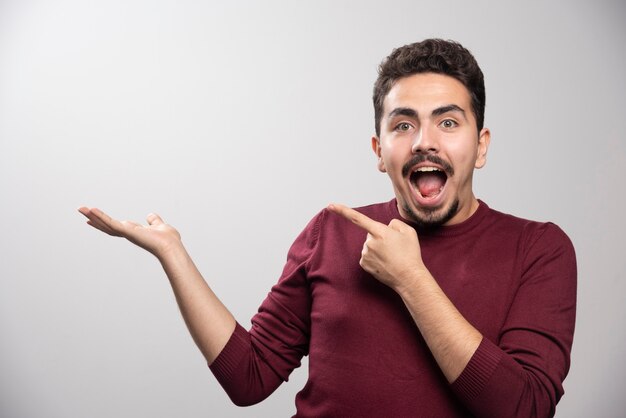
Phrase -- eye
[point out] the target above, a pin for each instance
(448, 123)
(403, 127)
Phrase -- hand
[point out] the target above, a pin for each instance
(157, 237)
(391, 253)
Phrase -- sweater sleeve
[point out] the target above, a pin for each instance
(254, 363)
(521, 374)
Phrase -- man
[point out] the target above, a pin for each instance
(431, 304)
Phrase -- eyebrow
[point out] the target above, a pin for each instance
(407, 111)
(447, 108)
(402, 111)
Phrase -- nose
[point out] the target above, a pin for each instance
(424, 142)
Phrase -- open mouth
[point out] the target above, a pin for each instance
(428, 181)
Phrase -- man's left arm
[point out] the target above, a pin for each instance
(391, 253)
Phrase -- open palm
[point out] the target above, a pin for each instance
(156, 237)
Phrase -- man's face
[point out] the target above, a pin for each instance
(429, 146)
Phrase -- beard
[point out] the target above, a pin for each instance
(428, 218)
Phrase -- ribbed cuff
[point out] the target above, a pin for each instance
(232, 354)
(478, 371)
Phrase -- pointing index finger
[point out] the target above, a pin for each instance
(360, 220)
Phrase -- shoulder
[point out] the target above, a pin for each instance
(382, 212)
(330, 225)
(528, 226)
(532, 235)
(325, 219)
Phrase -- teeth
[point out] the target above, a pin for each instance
(424, 169)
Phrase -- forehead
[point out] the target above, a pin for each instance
(426, 91)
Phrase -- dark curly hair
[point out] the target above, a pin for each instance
(431, 56)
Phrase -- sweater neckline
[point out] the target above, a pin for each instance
(448, 230)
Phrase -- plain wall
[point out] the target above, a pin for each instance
(237, 123)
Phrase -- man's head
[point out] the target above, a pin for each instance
(431, 56)
(429, 101)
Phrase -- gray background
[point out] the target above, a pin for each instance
(237, 123)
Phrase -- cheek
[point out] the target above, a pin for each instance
(463, 151)
(394, 154)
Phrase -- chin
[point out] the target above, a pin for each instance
(426, 217)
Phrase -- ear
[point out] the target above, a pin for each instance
(484, 139)
(376, 149)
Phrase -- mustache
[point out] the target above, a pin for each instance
(420, 158)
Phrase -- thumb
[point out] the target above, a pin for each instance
(154, 219)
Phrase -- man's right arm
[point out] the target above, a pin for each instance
(208, 320)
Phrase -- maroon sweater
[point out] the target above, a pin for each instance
(512, 279)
